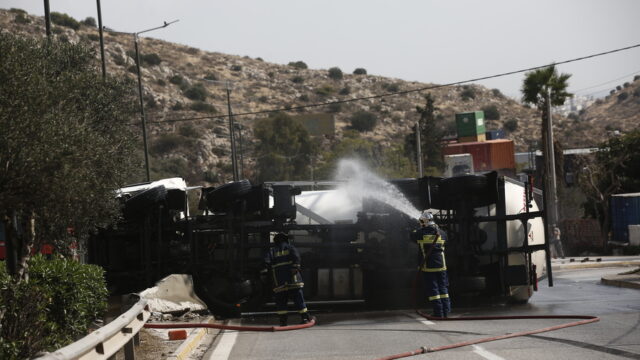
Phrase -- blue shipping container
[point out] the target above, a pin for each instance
(495, 134)
(625, 211)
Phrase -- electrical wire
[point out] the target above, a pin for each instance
(396, 93)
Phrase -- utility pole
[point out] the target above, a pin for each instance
(550, 164)
(239, 126)
(100, 31)
(234, 163)
(47, 18)
(419, 150)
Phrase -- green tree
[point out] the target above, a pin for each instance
(363, 121)
(335, 73)
(431, 134)
(66, 143)
(615, 168)
(284, 150)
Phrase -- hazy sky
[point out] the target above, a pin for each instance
(416, 40)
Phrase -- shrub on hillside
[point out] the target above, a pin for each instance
(391, 87)
(189, 131)
(89, 21)
(93, 37)
(637, 77)
(202, 106)
(21, 19)
(345, 91)
(363, 121)
(304, 97)
(177, 106)
(168, 142)
(335, 73)
(301, 65)
(118, 59)
(64, 20)
(196, 92)
(636, 92)
(511, 125)
(622, 96)
(211, 77)
(467, 93)
(297, 79)
(150, 59)
(176, 80)
(497, 93)
(57, 305)
(133, 69)
(360, 71)
(334, 107)
(491, 112)
(236, 68)
(325, 90)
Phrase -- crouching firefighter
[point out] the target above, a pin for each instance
(431, 240)
(283, 261)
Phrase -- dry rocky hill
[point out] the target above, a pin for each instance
(182, 82)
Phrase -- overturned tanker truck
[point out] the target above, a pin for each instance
(355, 253)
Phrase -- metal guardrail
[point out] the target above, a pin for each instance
(109, 339)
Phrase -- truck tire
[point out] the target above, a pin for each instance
(140, 203)
(219, 198)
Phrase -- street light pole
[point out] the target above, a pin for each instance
(142, 116)
(47, 18)
(104, 66)
(551, 197)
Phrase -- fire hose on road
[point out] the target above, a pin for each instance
(232, 327)
(585, 319)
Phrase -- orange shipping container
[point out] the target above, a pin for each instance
(502, 154)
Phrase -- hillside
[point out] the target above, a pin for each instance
(181, 82)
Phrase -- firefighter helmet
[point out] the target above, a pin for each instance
(426, 218)
(280, 237)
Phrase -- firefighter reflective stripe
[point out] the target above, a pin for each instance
(283, 263)
(285, 287)
(303, 311)
(282, 253)
(436, 297)
(281, 312)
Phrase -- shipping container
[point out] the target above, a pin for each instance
(458, 164)
(473, 138)
(625, 211)
(488, 155)
(495, 134)
(470, 123)
(502, 154)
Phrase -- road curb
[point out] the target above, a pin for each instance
(629, 284)
(594, 265)
(190, 343)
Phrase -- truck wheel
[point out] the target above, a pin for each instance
(219, 198)
(136, 206)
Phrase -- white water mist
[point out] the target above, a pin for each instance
(361, 183)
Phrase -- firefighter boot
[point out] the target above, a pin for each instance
(283, 319)
(305, 317)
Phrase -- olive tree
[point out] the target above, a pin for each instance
(66, 144)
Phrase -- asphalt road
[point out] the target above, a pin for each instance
(371, 335)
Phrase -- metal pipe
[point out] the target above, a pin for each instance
(47, 18)
(142, 116)
(234, 163)
(419, 150)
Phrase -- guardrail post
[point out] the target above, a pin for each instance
(129, 352)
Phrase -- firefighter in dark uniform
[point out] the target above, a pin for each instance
(283, 261)
(431, 240)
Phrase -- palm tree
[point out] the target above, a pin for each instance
(537, 84)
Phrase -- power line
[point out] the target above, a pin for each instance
(291, 108)
(607, 82)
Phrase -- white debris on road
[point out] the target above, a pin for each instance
(173, 294)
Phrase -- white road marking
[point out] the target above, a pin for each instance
(485, 354)
(423, 320)
(224, 346)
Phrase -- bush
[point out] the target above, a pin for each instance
(467, 93)
(497, 93)
(201, 106)
(263, 99)
(325, 90)
(360, 71)
(64, 20)
(298, 65)
(177, 106)
(304, 97)
(21, 19)
(626, 85)
(133, 69)
(211, 76)
(166, 143)
(335, 73)
(17, 11)
(345, 91)
(161, 82)
(176, 80)
(57, 305)
(90, 22)
(118, 60)
(636, 92)
(236, 68)
(196, 92)
(637, 77)
(188, 131)
(363, 121)
(622, 96)
(491, 112)
(150, 59)
(334, 107)
(511, 125)
(93, 37)
(297, 79)
(391, 87)
(618, 87)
